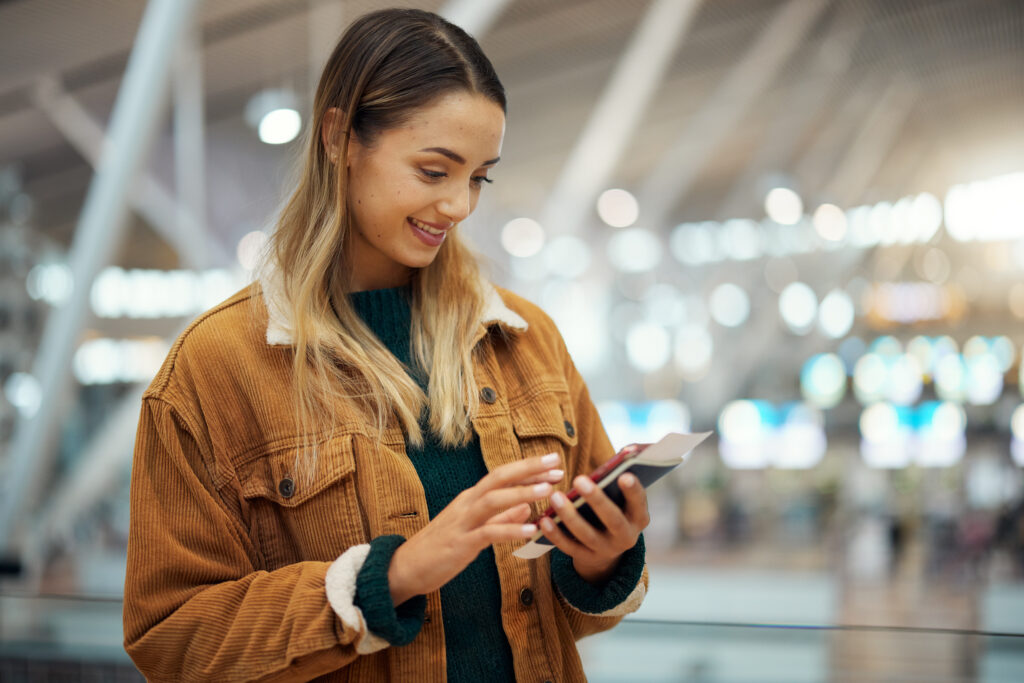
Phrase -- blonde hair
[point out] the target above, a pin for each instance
(386, 65)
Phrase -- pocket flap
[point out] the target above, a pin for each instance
(546, 413)
(274, 475)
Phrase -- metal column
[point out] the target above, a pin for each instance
(140, 100)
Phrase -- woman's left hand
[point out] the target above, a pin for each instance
(595, 553)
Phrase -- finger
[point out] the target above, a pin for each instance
(501, 533)
(560, 539)
(636, 501)
(578, 527)
(499, 500)
(517, 472)
(551, 476)
(607, 511)
(514, 515)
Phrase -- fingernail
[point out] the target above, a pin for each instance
(555, 475)
(584, 485)
(529, 529)
(551, 459)
(542, 489)
(627, 480)
(546, 524)
(558, 500)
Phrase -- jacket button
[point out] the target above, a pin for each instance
(488, 395)
(286, 488)
(526, 597)
(569, 429)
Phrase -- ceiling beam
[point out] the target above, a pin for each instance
(189, 150)
(674, 174)
(813, 167)
(614, 119)
(872, 143)
(797, 114)
(173, 221)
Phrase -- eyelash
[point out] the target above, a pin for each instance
(437, 175)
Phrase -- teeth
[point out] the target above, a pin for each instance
(426, 228)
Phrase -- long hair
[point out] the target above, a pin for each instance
(386, 65)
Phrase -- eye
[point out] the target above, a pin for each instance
(478, 180)
(433, 175)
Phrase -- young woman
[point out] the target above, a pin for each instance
(334, 466)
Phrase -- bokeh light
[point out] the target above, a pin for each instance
(648, 346)
(618, 208)
(522, 237)
(823, 380)
(566, 256)
(836, 314)
(250, 249)
(729, 305)
(784, 206)
(830, 222)
(798, 306)
(693, 351)
(634, 250)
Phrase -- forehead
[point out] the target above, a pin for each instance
(466, 123)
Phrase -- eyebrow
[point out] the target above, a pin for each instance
(444, 151)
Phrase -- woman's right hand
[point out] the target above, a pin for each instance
(492, 511)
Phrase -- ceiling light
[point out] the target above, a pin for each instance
(784, 206)
(274, 114)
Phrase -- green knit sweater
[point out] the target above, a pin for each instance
(476, 646)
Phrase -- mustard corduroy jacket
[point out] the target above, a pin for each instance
(238, 570)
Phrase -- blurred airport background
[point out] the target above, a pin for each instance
(798, 223)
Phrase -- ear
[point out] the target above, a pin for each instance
(331, 131)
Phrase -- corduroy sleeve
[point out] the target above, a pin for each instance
(195, 605)
(593, 448)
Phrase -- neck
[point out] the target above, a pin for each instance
(378, 280)
(370, 270)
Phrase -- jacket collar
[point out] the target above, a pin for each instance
(279, 329)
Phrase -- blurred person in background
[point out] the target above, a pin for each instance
(333, 466)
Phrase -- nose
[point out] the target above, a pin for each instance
(457, 204)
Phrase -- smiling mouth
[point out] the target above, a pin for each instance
(427, 228)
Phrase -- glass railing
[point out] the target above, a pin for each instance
(641, 650)
(61, 637)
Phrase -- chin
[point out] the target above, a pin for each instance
(420, 261)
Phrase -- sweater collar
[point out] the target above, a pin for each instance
(279, 329)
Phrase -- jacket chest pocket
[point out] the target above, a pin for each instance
(544, 422)
(294, 518)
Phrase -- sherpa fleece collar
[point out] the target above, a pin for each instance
(279, 330)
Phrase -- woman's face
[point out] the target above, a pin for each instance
(416, 182)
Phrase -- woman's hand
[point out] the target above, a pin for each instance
(492, 511)
(595, 553)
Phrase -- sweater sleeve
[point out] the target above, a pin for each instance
(395, 625)
(611, 598)
(196, 605)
